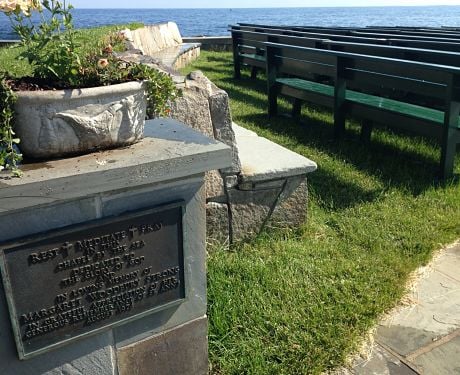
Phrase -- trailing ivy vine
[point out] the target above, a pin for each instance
(10, 155)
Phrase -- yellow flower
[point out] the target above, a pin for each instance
(102, 63)
(7, 6)
(24, 6)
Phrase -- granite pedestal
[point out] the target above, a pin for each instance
(168, 165)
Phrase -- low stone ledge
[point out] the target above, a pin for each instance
(163, 43)
(264, 160)
(211, 43)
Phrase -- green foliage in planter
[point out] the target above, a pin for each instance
(9, 156)
(59, 57)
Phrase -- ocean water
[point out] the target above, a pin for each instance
(193, 22)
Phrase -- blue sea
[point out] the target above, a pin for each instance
(194, 22)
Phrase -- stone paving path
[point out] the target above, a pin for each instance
(424, 336)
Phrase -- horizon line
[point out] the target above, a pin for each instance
(278, 7)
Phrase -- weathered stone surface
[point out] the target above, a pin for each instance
(154, 38)
(92, 355)
(182, 350)
(426, 332)
(222, 124)
(263, 160)
(214, 185)
(217, 224)
(250, 210)
(169, 151)
(212, 118)
(382, 362)
(187, 53)
(193, 108)
(291, 210)
(56, 123)
(443, 360)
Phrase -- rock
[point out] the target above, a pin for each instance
(291, 210)
(154, 38)
(192, 108)
(217, 123)
(217, 224)
(250, 210)
(214, 186)
(222, 124)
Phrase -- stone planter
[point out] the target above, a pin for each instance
(65, 122)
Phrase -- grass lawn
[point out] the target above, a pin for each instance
(299, 302)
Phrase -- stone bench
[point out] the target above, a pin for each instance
(163, 43)
(266, 184)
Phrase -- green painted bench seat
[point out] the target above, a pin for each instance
(407, 109)
(290, 68)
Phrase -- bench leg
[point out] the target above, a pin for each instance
(272, 103)
(254, 72)
(449, 137)
(237, 71)
(366, 130)
(296, 108)
(447, 159)
(339, 123)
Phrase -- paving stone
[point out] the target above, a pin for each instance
(443, 360)
(436, 310)
(404, 340)
(382, 362)
(449, 263)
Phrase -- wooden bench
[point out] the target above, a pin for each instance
(389, 39)
(369, 75)
(249, 49)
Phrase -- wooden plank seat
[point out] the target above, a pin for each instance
(369, 75)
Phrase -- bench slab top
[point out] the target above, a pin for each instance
(264, 160)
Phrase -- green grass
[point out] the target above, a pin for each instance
(299, 302)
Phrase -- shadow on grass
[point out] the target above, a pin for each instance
(386, 162)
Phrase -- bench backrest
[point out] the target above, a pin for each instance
(416, 32)
(252, 42)
(389, 39)
(379, 32)
(371, 74)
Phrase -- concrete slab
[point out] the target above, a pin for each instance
(382, 362)
(436, 309)
(449, 264)
(443, 360)
(170, 150)
(423, 338)
(263, 160)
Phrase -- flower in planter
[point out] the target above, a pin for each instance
(58, 61)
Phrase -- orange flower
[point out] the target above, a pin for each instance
(108, 49)
(102, 63)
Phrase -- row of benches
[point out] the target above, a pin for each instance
(362, 80)
(443, 44)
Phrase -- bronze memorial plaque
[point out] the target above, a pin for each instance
(69, 283)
